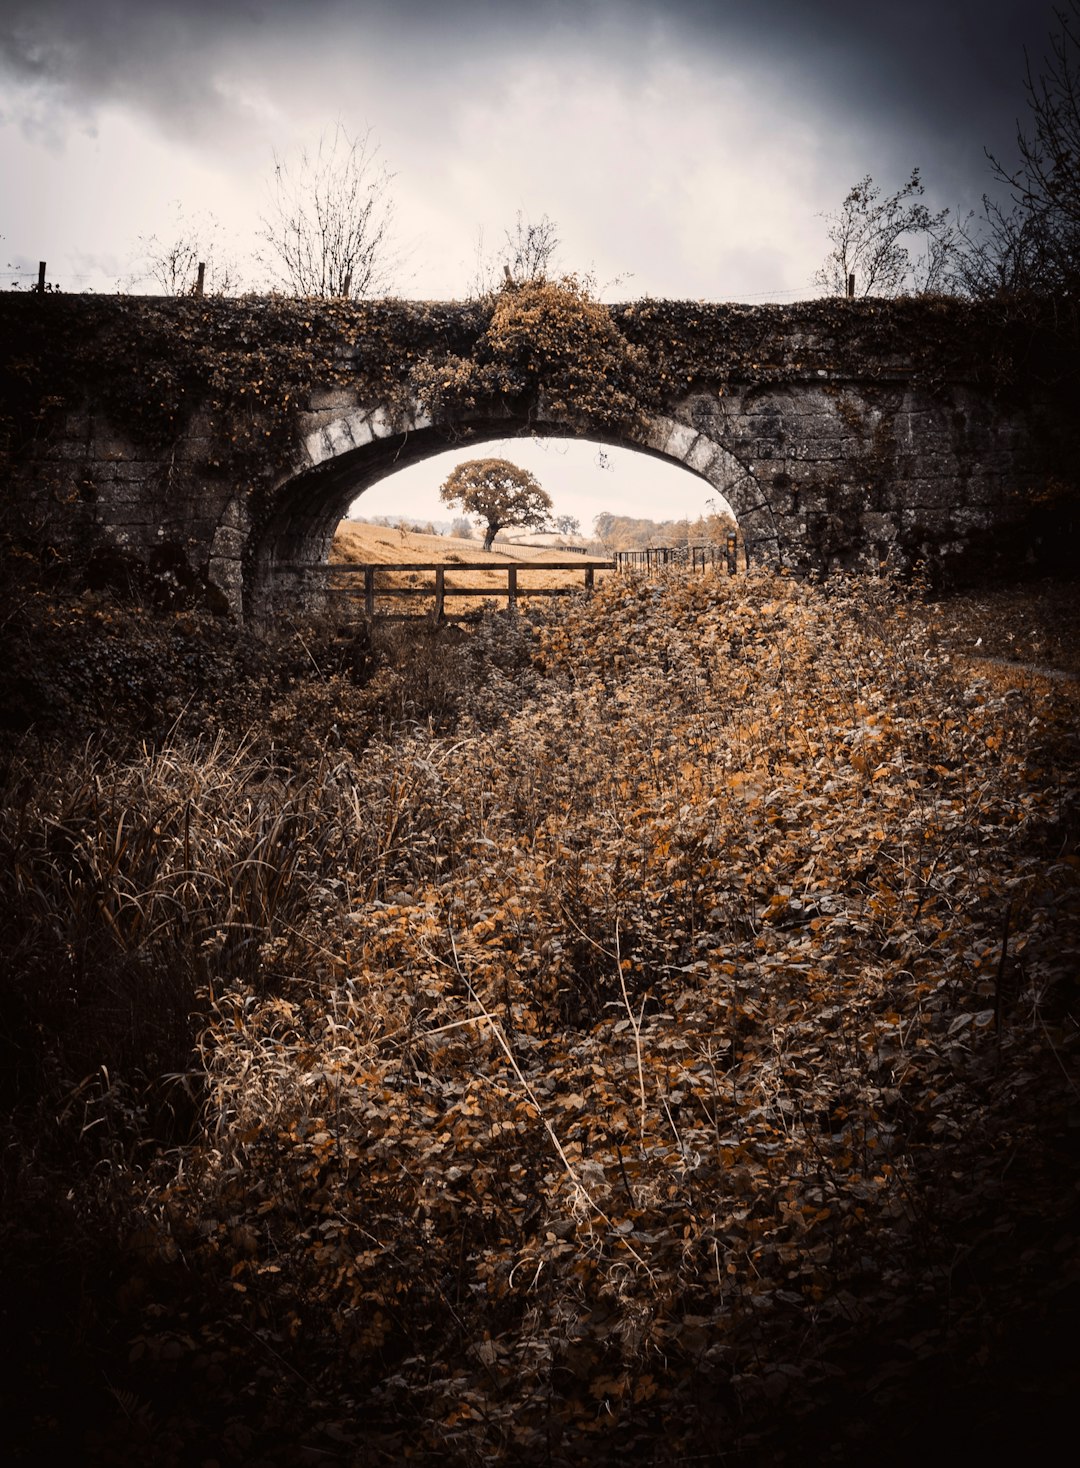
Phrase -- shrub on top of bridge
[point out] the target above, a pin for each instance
(552, 347)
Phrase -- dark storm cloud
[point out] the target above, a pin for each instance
(157, 58)
(930, 81)
(957, 58)
(945, 77)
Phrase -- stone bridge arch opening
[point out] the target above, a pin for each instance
(353, 451)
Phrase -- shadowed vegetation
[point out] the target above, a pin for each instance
(641, 1030)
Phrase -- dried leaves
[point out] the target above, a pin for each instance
(644, 1043)
(551, 349)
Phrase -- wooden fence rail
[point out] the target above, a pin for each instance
(692, 557)
(352, 571)
(341, 580)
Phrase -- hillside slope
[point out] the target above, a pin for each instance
(384, 545)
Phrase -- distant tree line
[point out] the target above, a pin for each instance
(627, 532)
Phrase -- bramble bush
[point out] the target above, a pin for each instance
(629, 1057)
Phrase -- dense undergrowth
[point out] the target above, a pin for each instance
(644, 1031)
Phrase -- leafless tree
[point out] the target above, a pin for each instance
(1000, 252)
(1032, 243)
(870, 241)
(327, 231)
(527, 254)
(171, 262)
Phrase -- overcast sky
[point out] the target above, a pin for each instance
(684, 149)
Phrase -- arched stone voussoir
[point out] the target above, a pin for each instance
(702, 455)
(224, 567)
(671, 438)
(355, 429)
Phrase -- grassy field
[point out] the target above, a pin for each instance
(384, 546)
(640, 1030)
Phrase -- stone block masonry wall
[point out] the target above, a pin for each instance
(844, 471)
(127, 511)
(835, 435)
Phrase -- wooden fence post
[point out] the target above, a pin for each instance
(200, 283)
(440, 593)
(511, 589)
(369, 590)
(41, 278)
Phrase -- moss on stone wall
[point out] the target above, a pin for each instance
(249, 367)
(149, 364)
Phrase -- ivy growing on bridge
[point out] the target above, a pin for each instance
(250, 365)
(548, 350)
(553, 349)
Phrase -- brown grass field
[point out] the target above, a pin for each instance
(385, 545)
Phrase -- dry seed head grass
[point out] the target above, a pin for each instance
(144, 887)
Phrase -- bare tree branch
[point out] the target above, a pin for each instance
(1033, 245)
(528, 254)
(172, 264)
(870, 238)
(328, 228)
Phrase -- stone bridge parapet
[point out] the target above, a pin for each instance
(203, 445)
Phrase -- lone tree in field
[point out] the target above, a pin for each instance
(500, 493)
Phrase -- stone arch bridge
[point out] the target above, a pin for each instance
(838, 432)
